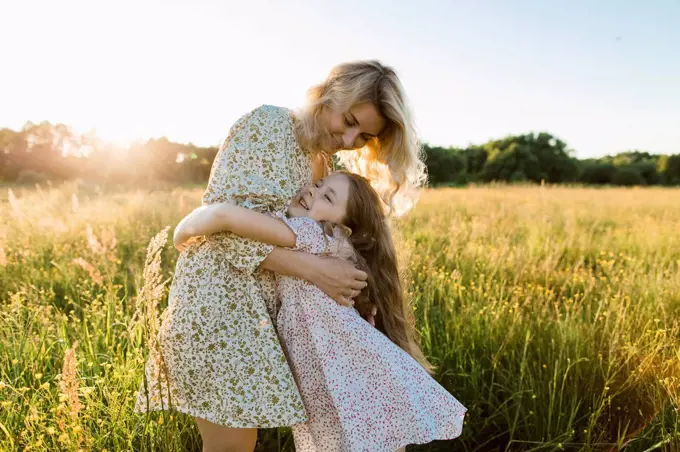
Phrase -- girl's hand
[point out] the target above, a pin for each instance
(370, 314)
(183, 243)
(339, 279)
(180, 241)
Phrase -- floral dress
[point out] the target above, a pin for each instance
(219, 357)
(361, 391)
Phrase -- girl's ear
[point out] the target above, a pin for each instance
(345, 230)
(327, 228)
(330, 228)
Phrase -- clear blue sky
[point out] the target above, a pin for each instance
(602, 75)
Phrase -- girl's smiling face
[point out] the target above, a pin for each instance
(324, 200)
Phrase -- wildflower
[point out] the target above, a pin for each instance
(69, 382)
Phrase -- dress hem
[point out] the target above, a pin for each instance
(210, 418)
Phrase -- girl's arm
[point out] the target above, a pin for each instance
(336, 277)
(220, 217)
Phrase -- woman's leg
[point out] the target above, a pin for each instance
(218, 438)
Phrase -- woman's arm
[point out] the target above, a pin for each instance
(247, 223)
(338, 278)
(247, 171)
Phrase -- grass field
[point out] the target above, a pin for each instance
(553, 314)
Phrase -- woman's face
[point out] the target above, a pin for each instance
(350, 129)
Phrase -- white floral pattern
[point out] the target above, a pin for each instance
(362, 392)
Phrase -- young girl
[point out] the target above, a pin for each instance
(364, 388)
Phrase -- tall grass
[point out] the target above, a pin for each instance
(551, 313)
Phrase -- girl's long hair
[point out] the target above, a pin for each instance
(371, 238)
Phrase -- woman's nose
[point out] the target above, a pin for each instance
(349, 137)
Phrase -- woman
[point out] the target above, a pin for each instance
(220, 359)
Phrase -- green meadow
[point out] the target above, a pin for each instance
(552, 313)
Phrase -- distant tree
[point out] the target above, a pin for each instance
(515, 162)
(555, 159)
(597, 173)
(529, 157)
(648, 171)
(669, 168)
(444, 165)
(632, 157)
(475, 158)
(627, 176)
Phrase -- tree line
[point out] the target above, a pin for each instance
(41, 152)
(544, 158)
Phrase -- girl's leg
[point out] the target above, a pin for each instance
(218, 438)
(401, 449)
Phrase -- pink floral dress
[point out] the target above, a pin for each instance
(360, 390)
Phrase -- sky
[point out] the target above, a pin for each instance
(602, 75)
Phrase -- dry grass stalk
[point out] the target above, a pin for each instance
(90, 269)
(92, 242)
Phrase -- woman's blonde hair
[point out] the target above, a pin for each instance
(392, 161)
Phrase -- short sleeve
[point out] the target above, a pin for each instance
(251, 170)
(309, 234)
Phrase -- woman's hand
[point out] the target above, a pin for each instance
(339, 279)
